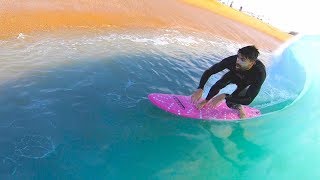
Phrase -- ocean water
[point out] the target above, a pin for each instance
(74, 106)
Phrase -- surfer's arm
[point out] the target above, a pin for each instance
(251, 93)
(225, 63)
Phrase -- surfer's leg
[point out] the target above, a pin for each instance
(233, 105)
(241, 112)
(241, 90)
(217, 100)
(237, 107)
(221, 83)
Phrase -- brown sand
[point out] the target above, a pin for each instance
(234, 14)
(26, 16)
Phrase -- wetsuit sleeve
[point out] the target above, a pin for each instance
(225, 63)
(251, 93)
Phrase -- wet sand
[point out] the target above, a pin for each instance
(26, 17)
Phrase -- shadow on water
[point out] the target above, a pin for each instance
(247, 152)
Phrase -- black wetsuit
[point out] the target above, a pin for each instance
(250, 80)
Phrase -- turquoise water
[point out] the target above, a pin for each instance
(74, 106)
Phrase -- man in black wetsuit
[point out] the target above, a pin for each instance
(245, 70)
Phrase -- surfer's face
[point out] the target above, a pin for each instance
(243, 63)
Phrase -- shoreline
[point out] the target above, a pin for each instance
(155, 14)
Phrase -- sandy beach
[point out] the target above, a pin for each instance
(189, 15)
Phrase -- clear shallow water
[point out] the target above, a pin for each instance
(74, 106)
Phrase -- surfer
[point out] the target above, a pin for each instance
(245, 71)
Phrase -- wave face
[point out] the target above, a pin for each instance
(74, 105)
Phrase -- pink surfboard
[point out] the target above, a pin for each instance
(182, 106)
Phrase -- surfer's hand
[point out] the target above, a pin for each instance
(196, 96)
(201, 104)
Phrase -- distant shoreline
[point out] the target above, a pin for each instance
(241, 17)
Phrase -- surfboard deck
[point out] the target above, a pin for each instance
(182, 106)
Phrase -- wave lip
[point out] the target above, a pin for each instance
(296, 64)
